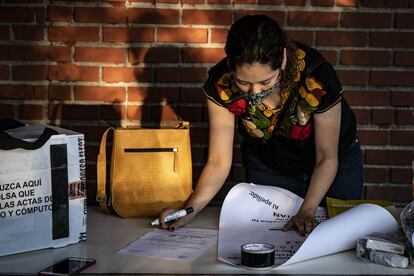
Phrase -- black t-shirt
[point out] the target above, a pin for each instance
(283, 137)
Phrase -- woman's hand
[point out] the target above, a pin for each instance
(304, 221)
(174, 224)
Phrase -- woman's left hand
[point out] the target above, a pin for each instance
(304, 221)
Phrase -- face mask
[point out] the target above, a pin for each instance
(256, 99)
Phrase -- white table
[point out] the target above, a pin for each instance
(108, 233)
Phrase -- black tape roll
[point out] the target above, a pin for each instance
(257, 255)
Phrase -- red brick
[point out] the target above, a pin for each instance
(218, 35)
(373, 3)
(111, 94)
(39, 92)
(59, 92)
(190, 113)
(313, 19)
(389, 157)
(392, 39)
(279, 16)
(220, 2)
(401, 176)
(400, 78)
(244, 2)
(153, 16)
(113, 112)
(397, 194)
(100, 54)
(341, 38)
(22, 52)
(362, 115)
(199, 135)
(353, 77)
(206, 55)
(4, 72)
(167, 1)
(357, 57)
(207, 17)
(40, 14)
(154, 55)
(73, 112)
(183, 35)
(367, 98)
(59, 53)
(76, 34)
(128, 74)
(28, 32)
(373, 137)
(375, 175)
(153, 94)
(191, 2)
(29, 72)
(404, 21)
(16, 14)
(365, 20)
(138, 112)
(402, 98)
(30, 112)
(323, 3)
(70, 72)
(100, 15)
(383, 116)
(10, 91)
(294, 2)
(405, 117)
(4, 32)
(7, 111)
(305, 37)
(92, 133)
(400, 3)
(404, 58)
(181, 74)
(120, 34)
(163, 113)
(347, 3)
(402, 137)
(192, 95)
(329, 55)
(60, 13)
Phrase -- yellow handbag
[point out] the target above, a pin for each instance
(151, 169)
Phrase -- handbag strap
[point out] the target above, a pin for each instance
(102, 195)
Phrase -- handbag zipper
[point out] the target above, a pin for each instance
(150, 150)
(146, 150)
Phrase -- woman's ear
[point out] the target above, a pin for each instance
(284, 62)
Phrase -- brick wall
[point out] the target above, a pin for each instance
(85, 65)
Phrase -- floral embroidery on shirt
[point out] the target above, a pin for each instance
(260, 120)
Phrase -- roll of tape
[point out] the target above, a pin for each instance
(257, 256)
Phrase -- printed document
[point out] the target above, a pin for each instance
(256, 214)
(184, 244)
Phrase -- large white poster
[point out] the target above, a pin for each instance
(256, 214)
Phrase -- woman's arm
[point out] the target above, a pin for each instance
(216, 170)
(327, 127)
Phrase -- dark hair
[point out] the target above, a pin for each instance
(259, 38)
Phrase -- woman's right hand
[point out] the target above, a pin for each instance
(175, 224)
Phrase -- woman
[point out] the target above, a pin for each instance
(298, 131)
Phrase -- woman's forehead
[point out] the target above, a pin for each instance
(255, 72)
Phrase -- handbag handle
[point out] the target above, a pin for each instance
(101, 194)
(8, 142)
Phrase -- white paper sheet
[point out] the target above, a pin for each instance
(250, 210)
(184, 244)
